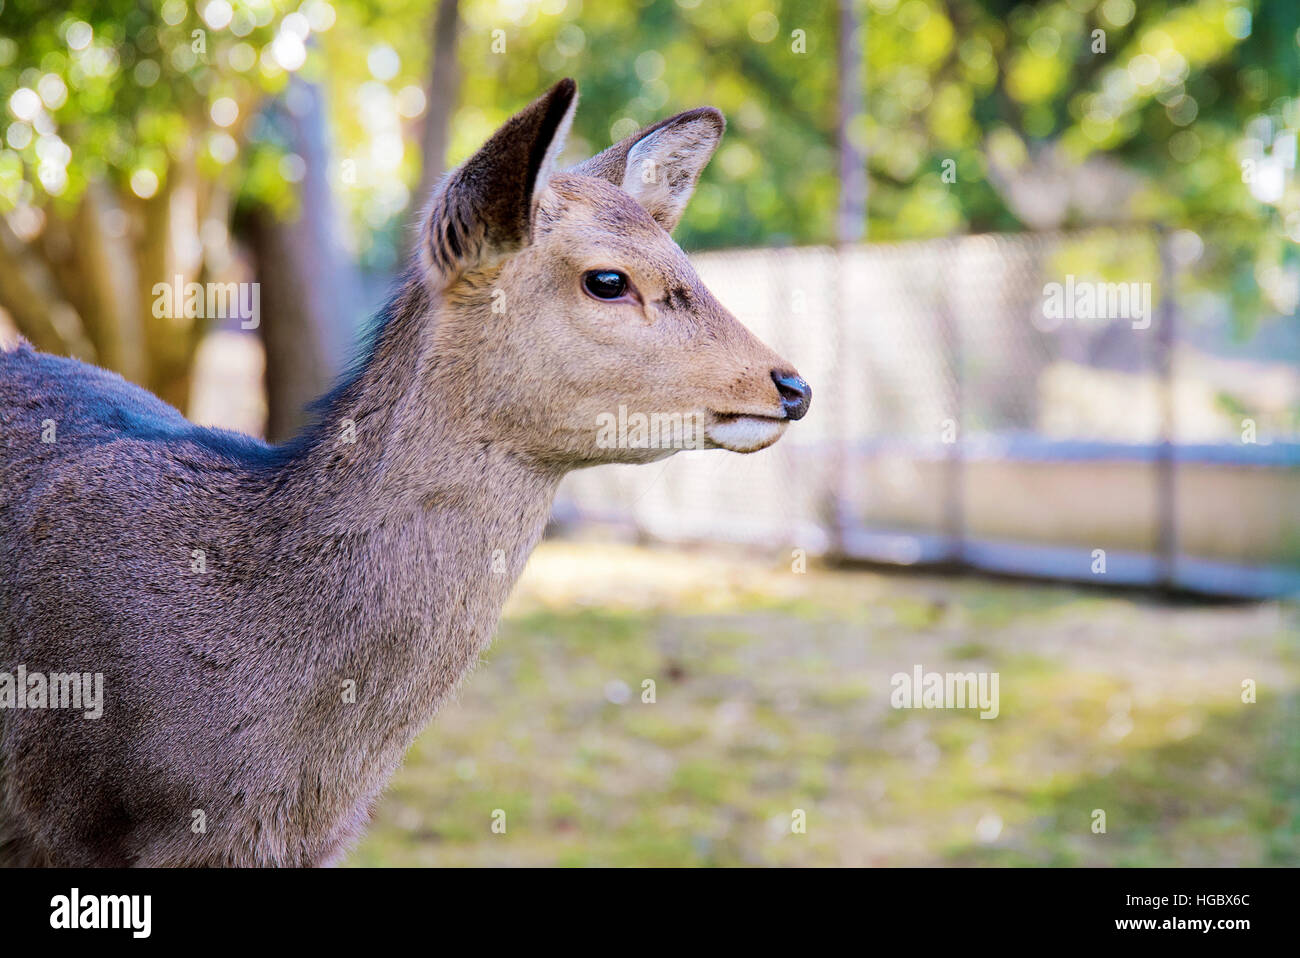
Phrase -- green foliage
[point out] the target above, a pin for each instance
(127, 91)
(1195, 99)
(960, 80)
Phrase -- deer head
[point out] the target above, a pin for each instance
(563, 306)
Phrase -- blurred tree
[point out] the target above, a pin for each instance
(133, 128)
(774, 180)
(851, 220)
(308, 284)
(118, 171)
(442, 94)
(133, 131)
(982, 114)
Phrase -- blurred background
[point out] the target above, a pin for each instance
(1040, 264)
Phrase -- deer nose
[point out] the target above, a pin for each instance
(796, 394)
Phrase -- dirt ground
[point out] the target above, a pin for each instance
(771, 698)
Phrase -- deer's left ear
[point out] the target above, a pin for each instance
(660, 165)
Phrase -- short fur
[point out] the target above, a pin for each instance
(383, 561)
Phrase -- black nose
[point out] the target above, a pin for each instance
(796, 395)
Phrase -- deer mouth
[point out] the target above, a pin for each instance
(743, 432)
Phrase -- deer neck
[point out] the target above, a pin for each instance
(433, 517)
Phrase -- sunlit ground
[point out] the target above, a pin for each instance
(772, 694)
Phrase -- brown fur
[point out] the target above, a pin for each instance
(383, 561)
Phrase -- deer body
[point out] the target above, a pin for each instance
(275, 624)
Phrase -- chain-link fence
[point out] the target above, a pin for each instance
(1067, 405)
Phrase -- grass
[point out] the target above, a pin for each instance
(771, 695)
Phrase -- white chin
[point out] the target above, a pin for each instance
(744, 433)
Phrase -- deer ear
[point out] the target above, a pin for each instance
(483, 209)
(660, 165)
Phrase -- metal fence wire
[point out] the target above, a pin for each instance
(1073, 405)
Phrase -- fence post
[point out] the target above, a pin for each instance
(837, 510)
(850, 228)
(1166, 464)
(954, 512)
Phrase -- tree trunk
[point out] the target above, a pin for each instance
(35, 303)
(851, 222)
(443, 94)
(173, 337)
(106, 273)
(309, 288)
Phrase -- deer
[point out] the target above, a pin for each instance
(274, 624)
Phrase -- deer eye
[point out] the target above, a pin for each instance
(605, 283)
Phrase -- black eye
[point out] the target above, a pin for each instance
(605, 283)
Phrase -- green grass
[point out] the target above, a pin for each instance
(771, 695)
